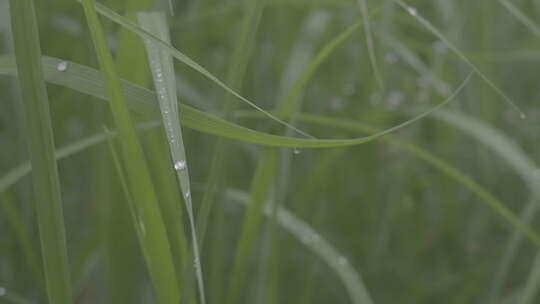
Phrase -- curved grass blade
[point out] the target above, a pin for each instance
(153, 241)
(239, 61)
(87, 80)
(162, 68)
(39, 132)
(288, 105)
(128, 24)
(327, 252)
(439, 164)
(430, 27)
(516, 12)
(515, 158)
(19, 172)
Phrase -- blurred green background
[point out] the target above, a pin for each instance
(413, 230)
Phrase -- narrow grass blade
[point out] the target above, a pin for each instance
(516, 159)
(431, 28)
(345, 124)
(162, 68)
(126, 23)
(22, 170)
(45, 180)
(87, 81)
(15, 222)
(516, 12)
(369, 41)
(261, 187)
(486, 196)
(291, 100)
(327, 252)
(154, 241)
(240, 58)
(338, 123)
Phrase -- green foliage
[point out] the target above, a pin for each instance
(240, 162)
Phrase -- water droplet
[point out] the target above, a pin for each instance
(187, 195)
(2, 291)
(296, 151)
(62, 66)
(412, 11)
(522, 115)
(180, 165)
(310, 238)
(336, 103)
(395, 98)
(440, 47)
(342, 261)
(391, 58)
(141, 225)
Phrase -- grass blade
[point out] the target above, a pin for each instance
(126, 23)
(516, 12)
(88, 81)
(318, 245)
(430, 27)
(261, 187)
(45, 180)
(162, 68)
(369, 41)
(154, 242)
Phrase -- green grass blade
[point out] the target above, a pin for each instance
(369, 41)
(40, 140)
(516, 12)
(263, 179)
(318, 245)
(15, 222)
(288, 105)
(154, 242)
(441, 165)
(356, 127)
(240, 57)
(88, 81)
(162, 68)
(431, 28)
(345, 124)
(126, 23)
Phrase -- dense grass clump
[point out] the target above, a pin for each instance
(266, 151)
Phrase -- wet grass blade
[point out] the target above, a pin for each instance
(516, 12)
(126, 23)
(88, 81)
(327, 252)
(431, 28)
(40, 141)
(162, 67)
(154, 241)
